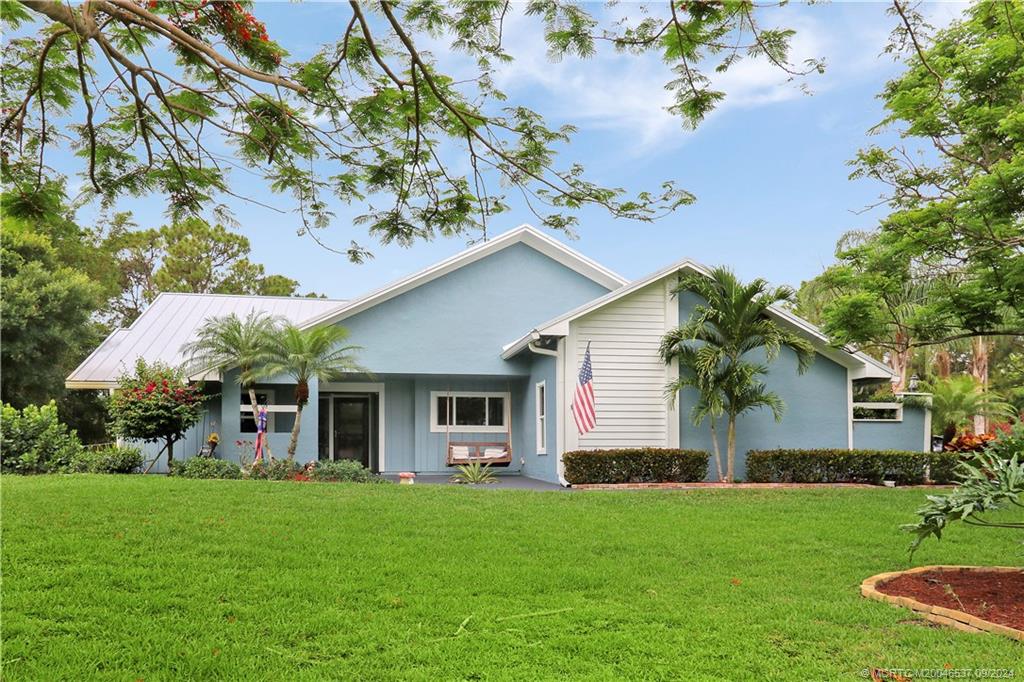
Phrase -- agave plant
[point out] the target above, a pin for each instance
(474, 473)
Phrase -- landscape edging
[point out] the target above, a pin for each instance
(940, 614)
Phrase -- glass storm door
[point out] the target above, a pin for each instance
(352, 428)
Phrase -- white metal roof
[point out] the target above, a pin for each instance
(171, 321)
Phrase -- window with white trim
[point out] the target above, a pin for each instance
(541, 407)
(469, 412)
(263, 397)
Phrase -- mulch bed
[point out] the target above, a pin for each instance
(995, 596)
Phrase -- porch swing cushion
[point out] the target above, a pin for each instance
(493, 453)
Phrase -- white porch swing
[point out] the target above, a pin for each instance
(467, 452)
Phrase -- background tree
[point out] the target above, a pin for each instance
(191, 256)
(155, 404)
(369, 116)
(305, 354)
(956, 187)
(45, 308)
(875, 304)
(225, 343)
(714, 346)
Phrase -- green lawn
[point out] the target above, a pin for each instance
(154, 578)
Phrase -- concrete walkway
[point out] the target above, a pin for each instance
(504, 482)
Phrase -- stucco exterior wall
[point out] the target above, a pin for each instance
(457, 324)
(908, 434)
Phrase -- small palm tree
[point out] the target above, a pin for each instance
(956, 401)
(304, 354)
(712, 344)
(230, 341)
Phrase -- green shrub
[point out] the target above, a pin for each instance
(836, 466)
(344, 470)
(110, 459)
(278, 470)
(635, 465)
(942, 466)
(34, 441)
(205, 467)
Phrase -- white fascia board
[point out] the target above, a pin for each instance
(89, 385)
(524, 234)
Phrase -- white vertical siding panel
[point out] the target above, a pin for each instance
(629, 376)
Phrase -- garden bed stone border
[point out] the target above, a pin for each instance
(940, 614)
(702, 485)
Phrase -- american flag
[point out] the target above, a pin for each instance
(583, 401)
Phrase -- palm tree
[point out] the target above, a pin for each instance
(710, 402)
(230, 341)
(712, 344)
(957, 400)
(304, 354)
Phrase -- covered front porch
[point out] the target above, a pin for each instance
(398, 422)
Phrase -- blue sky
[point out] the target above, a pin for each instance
(768, 168)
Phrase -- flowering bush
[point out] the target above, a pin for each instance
(155, 404)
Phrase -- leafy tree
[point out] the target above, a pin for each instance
(155, 404)
(712, 345)
(369, 116)
(45, 310)
(227, 342)
(875, 304)
(957, 400)
(956, 187)
(305, 354)
(189, 256)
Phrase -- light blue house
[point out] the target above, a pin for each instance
(478, 356)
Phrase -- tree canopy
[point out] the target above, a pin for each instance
(956, 183)
(151, 93)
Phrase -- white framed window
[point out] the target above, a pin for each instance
(541, 408)
(469, 412)
(264, 397)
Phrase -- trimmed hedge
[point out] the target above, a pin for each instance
(942, 466)
(111, 459)
(344, 471)
(836, 466)
(635, 465)
(205, 467)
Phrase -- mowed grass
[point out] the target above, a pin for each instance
(153, 578)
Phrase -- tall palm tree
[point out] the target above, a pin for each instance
(957, 400)
(305, 354)
(713, 344)
(710, 402)
(230, 341)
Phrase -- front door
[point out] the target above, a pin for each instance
(349, 424)
(352, 428)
